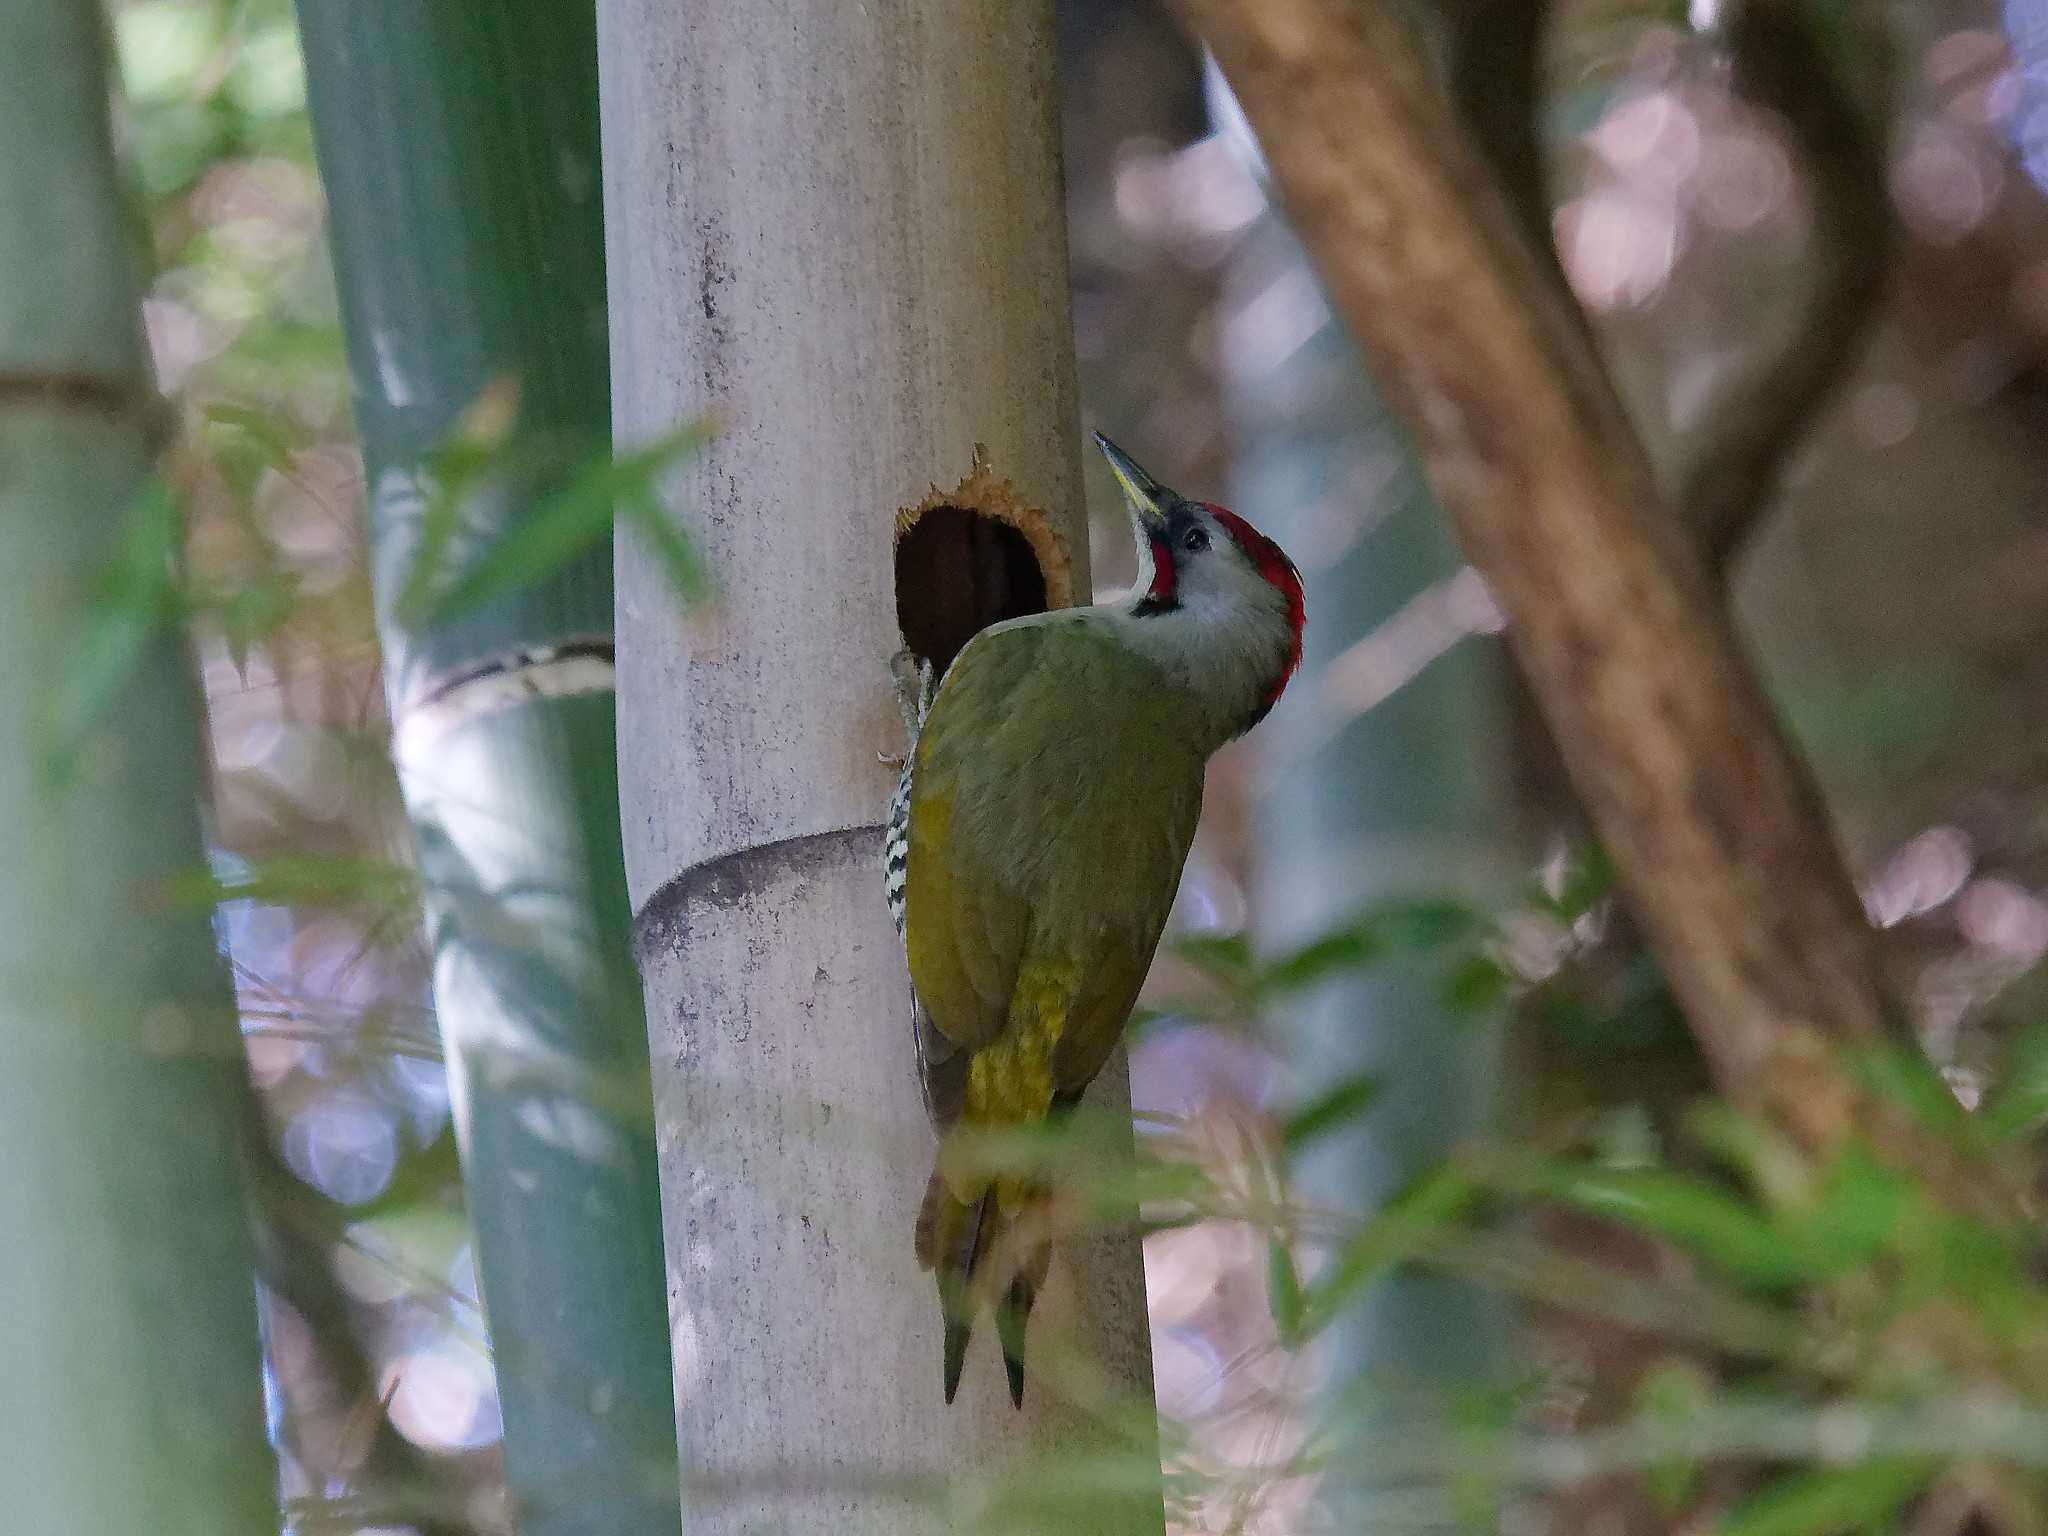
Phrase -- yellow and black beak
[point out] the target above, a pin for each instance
(1147, 498)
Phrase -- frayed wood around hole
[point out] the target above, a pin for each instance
(973, 556)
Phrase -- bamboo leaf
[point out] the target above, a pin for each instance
(2018, 1101)
(291, 880)
(1477, 985)
(560, 526)
(1863, 1209)
(647, 519)
(1224, 958)
(1673, 1394)
(1703, 1218)
(1907, 1078)
(1830, 1500)
(1381, 932)
(1587, 879)
(134, 598)
(1347, 949)
(1434, 1201)
(1331, 1110)
(451, 475)
(246, 441)
(1428, 923)
(1284, 1293)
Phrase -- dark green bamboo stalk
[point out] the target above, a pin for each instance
(459, 147)
(130, 1383)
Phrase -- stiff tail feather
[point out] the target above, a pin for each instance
(980, 1256)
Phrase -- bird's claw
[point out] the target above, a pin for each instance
(914, 690)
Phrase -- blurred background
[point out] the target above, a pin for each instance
(1895, 598)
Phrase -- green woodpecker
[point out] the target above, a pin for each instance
(1034, 846)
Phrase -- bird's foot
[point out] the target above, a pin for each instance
(915, 686)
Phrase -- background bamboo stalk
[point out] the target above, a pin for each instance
(459, 150)
(1414, 799)
(132, 1389)
(841, 228)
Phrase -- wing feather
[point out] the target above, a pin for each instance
(1056, 788)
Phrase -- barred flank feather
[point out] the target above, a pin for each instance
(896, 846)
(941, 1072)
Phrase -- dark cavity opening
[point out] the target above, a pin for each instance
(957, 572)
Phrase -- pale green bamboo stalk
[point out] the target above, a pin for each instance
(1413, 798)
(459, 148)
(130, 1380)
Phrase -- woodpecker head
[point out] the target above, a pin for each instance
(1217, 603)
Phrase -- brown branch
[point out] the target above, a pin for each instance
(1713, 825)
(1782, 64)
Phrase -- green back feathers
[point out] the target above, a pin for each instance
(1056, 789)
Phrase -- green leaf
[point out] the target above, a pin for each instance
(314, 351)
(1346, 949)
(1774, 1166)
(251, 611)
(1481, 1419)
(450, 476)
(1425, 923)
(1406, 927)
(1284, 1294)
(1331, 1110)
(301, 880)
(1588, 880)
(556, 530)
(1671, 1395)
(134, 598)
(648, 519)
(1864, 1209)
(1477, 985)
(1089, 1155)
(1224, 958)
(1699, 1216)
(1111, 1189)
(1830, 1500)
(1904, 1076)
(2018, 1101)
(1432, 1202)
(245, 440)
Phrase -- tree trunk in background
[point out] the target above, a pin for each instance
(840, 227)
(1712, 825)
(131, 1390)
(1414, 799)
(459, 149)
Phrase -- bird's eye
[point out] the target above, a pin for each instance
(1194, 539)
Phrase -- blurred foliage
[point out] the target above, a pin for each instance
(592, 493)
(209, 82)
(1835, 1333)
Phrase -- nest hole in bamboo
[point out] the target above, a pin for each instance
(971, 557)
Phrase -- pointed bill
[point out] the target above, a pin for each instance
(1148, 499)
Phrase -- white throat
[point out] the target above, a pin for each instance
(1224, 654)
